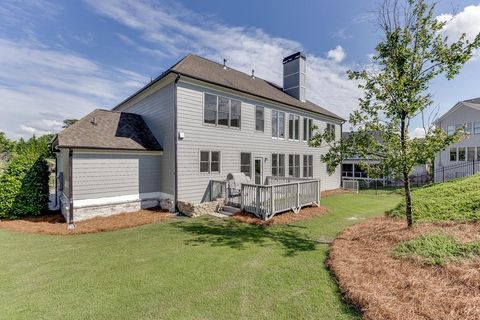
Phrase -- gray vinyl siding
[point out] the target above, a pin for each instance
(110, 175)
(464, 114)
(231, 142)
(63, 167)
(157, 109)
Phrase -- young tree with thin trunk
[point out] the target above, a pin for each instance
(413, 52)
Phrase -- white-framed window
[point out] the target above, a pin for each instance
(470, 153)
(293, 127)
(307, 166)
(450, 130)
(478, 153)
(210, 161)
(453, 154)
(461, 154)
(476, 128)
(468, 128)
(278, 165)
(246, 163)
(259, 118)
(294, 165)
(278, 124)
(221, 111)
(331, 128)
(307, 129)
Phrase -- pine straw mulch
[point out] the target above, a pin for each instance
(281, 218)
(387, 288)
(54, 224)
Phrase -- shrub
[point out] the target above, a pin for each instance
(454, 200)
(24, 185)
(436, 249)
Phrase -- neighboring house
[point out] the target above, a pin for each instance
(197, 122)
(462, 158)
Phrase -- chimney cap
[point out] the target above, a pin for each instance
(294, 56)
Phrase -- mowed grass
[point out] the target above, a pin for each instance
(201, 268)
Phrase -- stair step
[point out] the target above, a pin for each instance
(231, 210)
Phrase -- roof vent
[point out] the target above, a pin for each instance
(225, 64)
(253, 74)
(94, 121)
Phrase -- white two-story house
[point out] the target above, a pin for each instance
(462, 158)
(197, 122)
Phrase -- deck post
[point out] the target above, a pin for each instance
(298, 195)
(318, 192)
(257, 193)
(272, 204)
(242, 194)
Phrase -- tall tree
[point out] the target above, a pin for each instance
(68, 122)
(413, 52)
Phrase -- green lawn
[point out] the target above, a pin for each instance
(200, 268)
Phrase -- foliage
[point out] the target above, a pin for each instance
(436, 249)
(413, 52)
(41, 145)
(24, 184)
(454, 200)
(68, 122)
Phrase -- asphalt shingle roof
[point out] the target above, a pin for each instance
(103, 129)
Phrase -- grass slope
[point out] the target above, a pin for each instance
(454, 200)
(200, 268)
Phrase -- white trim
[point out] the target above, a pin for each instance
(117, 199)
(113, 151)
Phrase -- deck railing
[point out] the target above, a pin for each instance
(267, 200)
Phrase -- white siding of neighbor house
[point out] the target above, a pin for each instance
(114, 174)
(464, 114)
(157, 109)
(231, 142)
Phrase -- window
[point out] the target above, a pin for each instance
(453, 154)
(307, 129)
(210, 110)
(210, 161)
(293, 127)
(307, 166)
(476, 128)
(294, 165)
(246, 164)
(468, 128)
(471, 153)
(278, 165)
(331, 129)
(259, 118)
(478, 153)
(222, 111)
(278, 124)
(235, 113)
(461, 154)
(450, 130)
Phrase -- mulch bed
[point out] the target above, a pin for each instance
(55, 224)
(281, 218)
(387, 288)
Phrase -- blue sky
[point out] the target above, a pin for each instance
(62, 59)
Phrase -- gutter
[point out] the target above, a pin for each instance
(71, 224)
(175, 132)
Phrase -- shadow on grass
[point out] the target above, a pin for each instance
(237, 235)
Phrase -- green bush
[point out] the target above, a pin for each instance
(457, 200)
(436, 249)
(24, 185)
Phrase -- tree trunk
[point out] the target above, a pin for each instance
(408, 199)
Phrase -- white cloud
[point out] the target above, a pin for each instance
(172, 30)
(337, 54)
(466, 21)
(417, 133)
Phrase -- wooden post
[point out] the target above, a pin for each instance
(298, 195)
(257, 193)
(242, 195)
(318, 192)
(272, 205)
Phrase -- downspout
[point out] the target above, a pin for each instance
(71, 224)
(56, 180)
(341, 165)
(175, 131)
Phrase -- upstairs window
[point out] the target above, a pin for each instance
(210, 161)
(461, 154)
(450, 130)
(294, 165)
(293, 127)
(278, 165)
(471, 153)
(221, 111)
(259, 118)
(468, 128)
(307, 129)
(246, 164)
(476, 128)
(307, 166)
(278, 124)
(331, 129)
